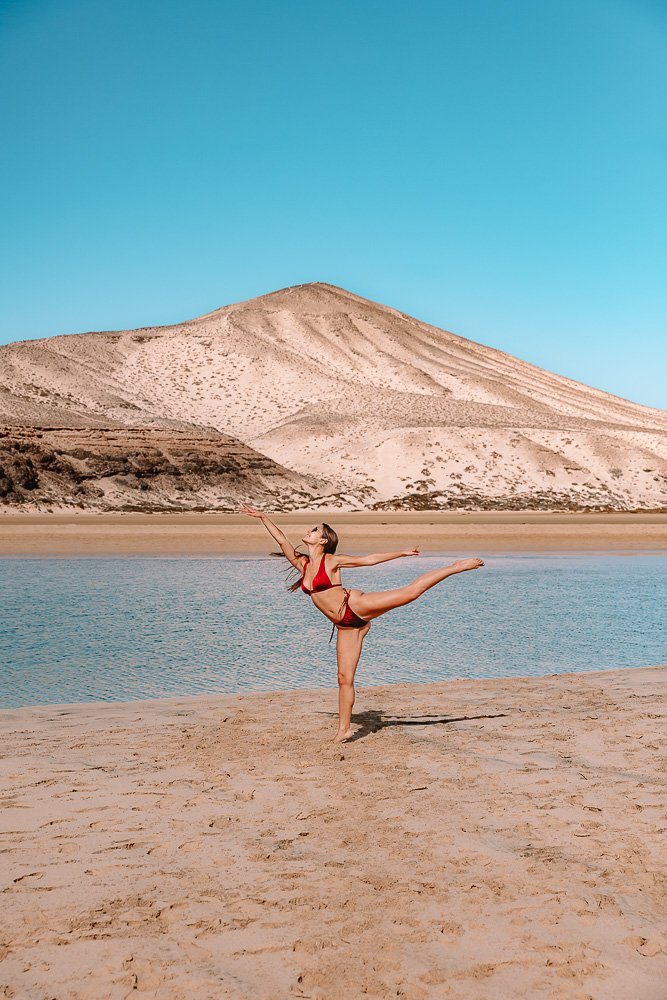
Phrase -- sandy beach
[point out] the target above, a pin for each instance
(80, 533)
(477, 839)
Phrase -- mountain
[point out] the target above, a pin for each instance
(370, 406)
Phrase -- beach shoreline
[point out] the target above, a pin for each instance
(81, 533)
(498, 839)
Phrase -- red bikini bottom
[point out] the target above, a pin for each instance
(349, 619)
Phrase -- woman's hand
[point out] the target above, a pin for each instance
(244, 509)
(412, 552)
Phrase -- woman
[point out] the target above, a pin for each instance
(350, 611)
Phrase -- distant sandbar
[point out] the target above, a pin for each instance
(83, 533)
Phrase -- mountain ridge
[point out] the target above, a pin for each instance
(335, 387)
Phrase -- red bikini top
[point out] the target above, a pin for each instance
(321, 581)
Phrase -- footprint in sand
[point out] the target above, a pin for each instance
(194, 950)
(221, 823)
(190, 845)
(160, 851)
(24, 880)
(172, 913)
(147, 982)
(649, 947)
(246, 796)
(69, 849)
(138, 966)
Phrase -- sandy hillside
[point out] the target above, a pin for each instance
(329, 384)
(478, 840)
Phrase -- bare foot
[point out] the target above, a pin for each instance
(342, 735)
(461, 565)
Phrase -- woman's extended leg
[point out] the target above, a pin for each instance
(372, 605)
(348, 651)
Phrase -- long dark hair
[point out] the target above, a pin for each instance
(330, 539)
(330, 546)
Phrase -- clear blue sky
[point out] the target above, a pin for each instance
(495, 167)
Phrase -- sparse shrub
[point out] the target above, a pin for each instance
(6, 485)
(25, 447)
(17, 467)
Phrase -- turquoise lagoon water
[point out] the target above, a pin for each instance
(118, 629)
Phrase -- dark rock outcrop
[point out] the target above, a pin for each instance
(140, 469)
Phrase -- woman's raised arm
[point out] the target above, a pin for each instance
(342, 561)
(275, 532)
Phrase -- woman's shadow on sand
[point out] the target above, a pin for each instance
(373, 721)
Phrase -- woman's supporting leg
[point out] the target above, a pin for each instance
(372, 605)
(348, 651)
